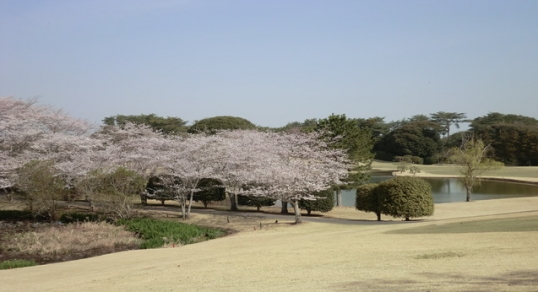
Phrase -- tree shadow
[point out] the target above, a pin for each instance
(522, 280)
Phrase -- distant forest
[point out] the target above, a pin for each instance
(425, 138)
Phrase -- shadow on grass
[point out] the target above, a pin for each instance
(516, 281)
(521, 224)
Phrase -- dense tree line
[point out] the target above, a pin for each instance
(513, 138)
(175, 125)
(168, 125)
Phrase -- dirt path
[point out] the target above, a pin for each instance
(316, 257)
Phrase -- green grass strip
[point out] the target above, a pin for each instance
(157, 233)
(521, 224)
(13, 264)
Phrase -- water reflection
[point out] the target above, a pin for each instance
(447, 190)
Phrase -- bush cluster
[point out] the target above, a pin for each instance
(157, 189)
(253, 201)
(74, 217)
(157, 233)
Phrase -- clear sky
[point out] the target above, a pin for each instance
(272, 62)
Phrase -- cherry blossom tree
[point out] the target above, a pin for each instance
(288, 167)
(306, 165)
(134, 146)
(190, 158)
(23, 123)
(117, 150)
(242, 154)
(285, 166)
(113, 191)
(33, 132)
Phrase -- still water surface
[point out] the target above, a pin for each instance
(447, 190)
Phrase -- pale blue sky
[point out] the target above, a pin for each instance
(272, 62)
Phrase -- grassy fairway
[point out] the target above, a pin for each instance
(369, 256)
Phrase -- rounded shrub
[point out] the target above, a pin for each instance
(417, 160)
(157, 189)
(324, 202)
(367, 200)
(406, 197)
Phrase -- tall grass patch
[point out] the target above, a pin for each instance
(52, 243)
(156, 233)
(13, 264)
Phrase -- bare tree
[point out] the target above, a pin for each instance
(472, 159)
(41, 187)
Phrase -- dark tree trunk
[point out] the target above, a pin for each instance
(378, 216)
(284, 209)
(233, 202)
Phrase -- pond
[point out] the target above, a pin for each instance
(448, 190)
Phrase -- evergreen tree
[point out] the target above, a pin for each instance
(355, 141)
(211, 190)
(168, 125)
(324, 202)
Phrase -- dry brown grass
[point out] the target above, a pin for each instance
(49, 243)
(317, 257)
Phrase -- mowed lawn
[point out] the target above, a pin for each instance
(489, 246)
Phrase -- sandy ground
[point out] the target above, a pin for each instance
(317, 257)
